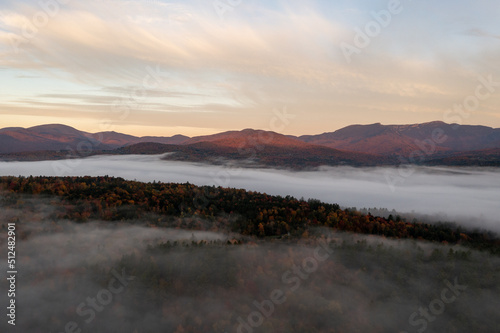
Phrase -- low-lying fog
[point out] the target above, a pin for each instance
(465, 195)
(101, 277)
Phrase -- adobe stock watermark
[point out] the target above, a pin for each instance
(471, 103)
(428, 147)
(278, 122)
(293, 279)
(372, 29)
(121, 109)
(49, 9)
(151, 2)
(87, 309)
(425, 315)
(267, 135)
(223, 6)
(137, 97)
(407, 166)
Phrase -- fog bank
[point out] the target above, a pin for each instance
(105, 277)
(465, 195)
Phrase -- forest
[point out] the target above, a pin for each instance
(210, 208)
(207, 259)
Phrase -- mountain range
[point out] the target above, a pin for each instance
(62, 137)
(359, 145)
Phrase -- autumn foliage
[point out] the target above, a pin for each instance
(219, 209)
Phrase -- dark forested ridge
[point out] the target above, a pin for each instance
(219, 209)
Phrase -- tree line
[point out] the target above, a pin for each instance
(213, 208)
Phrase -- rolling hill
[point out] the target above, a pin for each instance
(56, 137)
(45, 137)
(357, 145)
(248, 138)
(404, 139)
(255, 147)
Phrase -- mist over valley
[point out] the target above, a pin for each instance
(468, 196)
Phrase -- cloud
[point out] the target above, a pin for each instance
(119, 43)
(480, 33)
(261, 56)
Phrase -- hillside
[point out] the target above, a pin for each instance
(484, 157)
(249, 138)
(357, 145)
(119, 140)
(403, 139)
(260, 155)
(45, 137)
(56, 137)
(182, 258)
(247, 213)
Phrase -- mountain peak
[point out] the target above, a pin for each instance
(52, 126)
(405, 139)
(55, 130)
(435, 122)
(248, 137)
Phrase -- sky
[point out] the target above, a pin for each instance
(196, 67)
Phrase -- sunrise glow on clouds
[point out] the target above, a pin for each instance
(200, 67)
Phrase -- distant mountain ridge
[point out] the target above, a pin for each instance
(403, 139)
(44, 137)
(62, 137)
(359, 145)
(249, 137)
